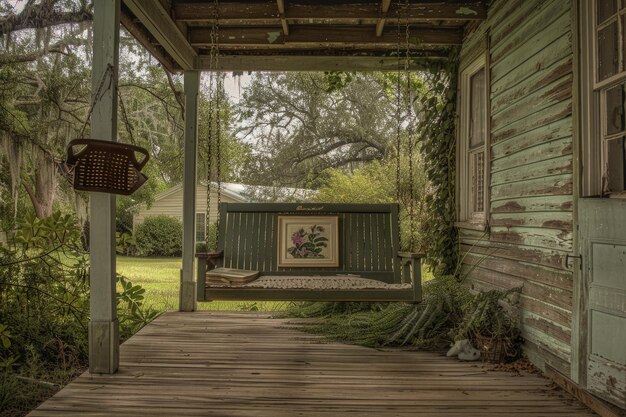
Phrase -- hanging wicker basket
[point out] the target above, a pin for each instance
(106, 167)
(492, 349)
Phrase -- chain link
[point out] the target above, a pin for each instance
(97, 96)
(398, 110)
(216, 87)
(410, 131)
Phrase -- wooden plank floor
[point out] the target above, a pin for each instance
(247, 364)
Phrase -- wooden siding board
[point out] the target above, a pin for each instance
(539, 256)
(533, 103)
(552, 185)
(508, 97)
(509, 14)
(507, 38)
(505, 78)
(562, 203)
(527, 271)
(533, 46)
(541, 151)
(534, 169)
(533, 236)
(560, 220)
(558, 129)
(533, 121)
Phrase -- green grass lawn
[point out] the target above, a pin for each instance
(161, 277)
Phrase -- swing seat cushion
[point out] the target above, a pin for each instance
(313, 282)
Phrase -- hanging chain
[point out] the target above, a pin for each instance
(214, 128)
(398, 110)
(410, 133)
(129, 127)
(97, 96)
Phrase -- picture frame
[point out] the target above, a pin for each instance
(308, 241)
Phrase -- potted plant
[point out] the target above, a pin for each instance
(490, 328)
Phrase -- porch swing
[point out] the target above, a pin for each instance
(308, 251)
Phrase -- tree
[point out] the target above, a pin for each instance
(300, 124)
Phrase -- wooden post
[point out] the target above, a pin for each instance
(187, 283)
(103, 327)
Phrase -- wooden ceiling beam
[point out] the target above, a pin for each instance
(281, 13)
(309, 63)
(380, 24)
(158, 22)
(248, 13)
(322, 36)
(143, 38)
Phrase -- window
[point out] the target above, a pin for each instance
(610, 87)
(200, 227)
(473, 144)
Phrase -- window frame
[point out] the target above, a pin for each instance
(196, 224)
(595, 129)
(467, 217)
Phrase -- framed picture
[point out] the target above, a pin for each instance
(308, 241)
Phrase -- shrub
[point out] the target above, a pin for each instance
(159, 236)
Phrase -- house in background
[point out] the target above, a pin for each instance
(170, 201)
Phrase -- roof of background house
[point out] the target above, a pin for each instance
(248, 193)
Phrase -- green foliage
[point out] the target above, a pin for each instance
(429, 324)
(437, 144)
(448, 312)
(44, 308)
(125, 243)
(5, 336)
(486, 317)
(376, 183)
(159, 236)
(130, 305)
(300, 124)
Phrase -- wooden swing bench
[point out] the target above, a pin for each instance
(371, 268)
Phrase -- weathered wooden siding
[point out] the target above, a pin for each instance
(530, 221)
(172, 205)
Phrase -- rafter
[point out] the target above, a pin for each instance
(160, 25)
(309, 63)
(281, 13)
(321, 36)
(142, 36)
(380, 24)
(236, 13)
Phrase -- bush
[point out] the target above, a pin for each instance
(159, 236)
(44, 310)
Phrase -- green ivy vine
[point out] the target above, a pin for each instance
(436, 131)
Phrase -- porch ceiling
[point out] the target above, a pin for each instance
(303, 35)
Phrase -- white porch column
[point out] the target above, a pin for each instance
(103, 327)
(187, 282)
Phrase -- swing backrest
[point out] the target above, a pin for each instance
(368, 238)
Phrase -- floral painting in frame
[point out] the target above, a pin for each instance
(308, 241)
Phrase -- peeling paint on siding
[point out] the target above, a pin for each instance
(531, 170)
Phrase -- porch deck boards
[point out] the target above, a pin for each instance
(247, 364)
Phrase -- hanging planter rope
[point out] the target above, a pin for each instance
(105, 166)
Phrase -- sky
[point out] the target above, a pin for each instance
(234, 85)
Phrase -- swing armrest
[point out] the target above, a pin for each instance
(210, 259)
(411, 271)
(206, 262)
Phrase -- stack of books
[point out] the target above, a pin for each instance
(230, 277)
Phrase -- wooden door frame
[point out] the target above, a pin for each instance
(582, 130)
